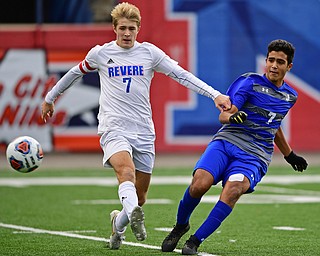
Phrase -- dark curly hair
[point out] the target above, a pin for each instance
(283, 46)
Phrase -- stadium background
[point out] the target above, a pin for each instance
(216, 40)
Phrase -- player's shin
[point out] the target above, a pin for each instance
(128, 196)
(186, 207)
(218, 214)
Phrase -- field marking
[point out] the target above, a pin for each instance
(245, 199)
(281, 195)
(289, 228)
(164, 229)
(93, 238)
(72, 231)
(267, 199)
(164, 180)
(291, 191)
(116, 201)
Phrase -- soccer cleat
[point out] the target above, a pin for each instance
(171, 241)
(137, 224)
(116, 237)
(191, 246)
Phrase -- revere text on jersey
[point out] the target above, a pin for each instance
(125, 71)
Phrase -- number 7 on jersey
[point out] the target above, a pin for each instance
(127, 81)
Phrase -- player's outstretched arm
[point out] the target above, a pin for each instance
(298, 163)
(65, 82)
(195, 84)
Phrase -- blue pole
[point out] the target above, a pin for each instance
(39, 13)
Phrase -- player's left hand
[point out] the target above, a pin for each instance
(238, 117)
(298, 163)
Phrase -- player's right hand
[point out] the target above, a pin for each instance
(46, 110)
(238, 117)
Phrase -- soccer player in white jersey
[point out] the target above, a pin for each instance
(126, 68)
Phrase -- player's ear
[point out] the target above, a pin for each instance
(289, 66)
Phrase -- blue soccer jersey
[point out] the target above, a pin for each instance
(266, 106)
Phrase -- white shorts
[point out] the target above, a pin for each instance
(140, 147)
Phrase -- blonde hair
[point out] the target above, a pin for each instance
(125, 10)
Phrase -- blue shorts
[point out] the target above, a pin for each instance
(223, 159)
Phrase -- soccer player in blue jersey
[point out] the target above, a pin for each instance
(240, 152)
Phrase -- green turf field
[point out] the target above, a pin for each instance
(61, 212)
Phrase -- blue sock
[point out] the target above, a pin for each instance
(186, 207)
(213, 221)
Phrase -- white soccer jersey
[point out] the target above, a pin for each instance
(125, 80)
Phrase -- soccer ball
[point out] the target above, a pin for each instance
(24, 154)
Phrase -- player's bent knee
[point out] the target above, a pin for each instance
(201, 183)
(238, 183)
(197, 190)
(236, 177)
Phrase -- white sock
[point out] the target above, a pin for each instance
(128, 197)
(122, 221)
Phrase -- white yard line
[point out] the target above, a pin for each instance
(93, 238)
(291, 191)
(116, 201)
(253, 198)
(164, 180)
(267, 199)
(289, 228)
